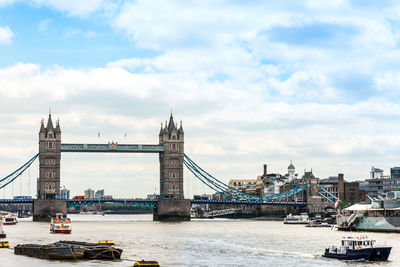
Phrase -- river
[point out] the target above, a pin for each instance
(214, 242)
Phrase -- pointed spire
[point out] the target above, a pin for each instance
(42, 129)
(180, 131)
(58, 128)
(49, 123)
(171, 124)
(161, 130)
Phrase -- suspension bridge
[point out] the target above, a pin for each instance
(171, 204)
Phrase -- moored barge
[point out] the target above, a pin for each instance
(51, 251)
(102, 250)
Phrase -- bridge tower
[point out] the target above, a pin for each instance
(172, 205)
(48, 183)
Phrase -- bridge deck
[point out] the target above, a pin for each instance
(112, 148)
(72, 202)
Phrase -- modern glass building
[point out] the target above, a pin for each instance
(395, 173)
(99, 194)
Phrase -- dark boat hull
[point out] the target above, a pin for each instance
(50, 252)
(101, 253)
(367, 254)
(60, 231)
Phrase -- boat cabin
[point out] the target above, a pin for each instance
(357, 242)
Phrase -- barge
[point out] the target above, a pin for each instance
(102, 250)
(51, 251)
(70, 250)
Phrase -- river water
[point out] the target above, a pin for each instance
(217, 242)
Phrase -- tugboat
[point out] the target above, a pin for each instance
(60, 224)
(358, 248)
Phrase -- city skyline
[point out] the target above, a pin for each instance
(253, 83)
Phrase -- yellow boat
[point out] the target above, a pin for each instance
(107, 242)
(4, 244)
(146, 263)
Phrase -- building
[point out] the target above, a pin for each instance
(241, 184)
(64, 193)
(48, 183)
(171, 161)
(376, 173)
(99, 194)
(363, 190)
(89, 193)
(395, 173)
(249, 186)
(336, 185)
(152, 196)
(273, 182)
(381, 184)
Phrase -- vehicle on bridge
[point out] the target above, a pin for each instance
(22, 198)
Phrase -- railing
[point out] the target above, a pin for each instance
(112, 147)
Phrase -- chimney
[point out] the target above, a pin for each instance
(341, 187)
(265, 170)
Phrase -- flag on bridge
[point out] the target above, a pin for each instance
(337, 202)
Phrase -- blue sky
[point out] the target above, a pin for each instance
(253, 82)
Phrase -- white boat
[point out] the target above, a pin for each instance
(2, 233)
(9, 219)
(60, 224)
(297, 219)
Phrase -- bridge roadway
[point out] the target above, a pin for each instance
(153, 203)
(112, 148)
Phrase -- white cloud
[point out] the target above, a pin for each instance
(7, 2)
(224, 125)
(79, 33)
(43, 25)
(75, 7)
(6, 35)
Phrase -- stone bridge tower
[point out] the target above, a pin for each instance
(49, 160)
(47, 203)
(171, 161)
(172, 205)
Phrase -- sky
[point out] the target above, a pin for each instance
(254, 82)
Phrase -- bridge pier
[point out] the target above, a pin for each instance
(44, 209)
(172, 210)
